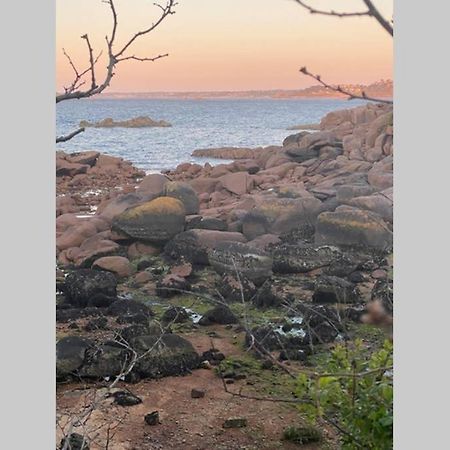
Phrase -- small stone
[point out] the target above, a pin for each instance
(124, 398)
(379, 274)
(198, 393)
(205, 365)
(152, 418)
(235, 422)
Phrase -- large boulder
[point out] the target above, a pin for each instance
(153, 184)
(330, 289)
(84, 287)
(185, 194)
(237, 183)
(70, 354)
(193, 245)
(302, 258)
(250, 262)
(156, 221)
(286, 214)
(220, 314)
(351, 226)
(164, 355)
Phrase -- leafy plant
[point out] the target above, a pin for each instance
(355, 388)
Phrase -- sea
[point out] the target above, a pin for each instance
(196, 124)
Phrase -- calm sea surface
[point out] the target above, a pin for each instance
(196, 124)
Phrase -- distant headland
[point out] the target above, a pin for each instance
(379, 89)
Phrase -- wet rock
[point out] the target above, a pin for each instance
(156, 221)
(82, 285)
(331, 289)
(185, 193)
(193, 245)
(232, 257)
(350, 226)
(302, 258)
(220, 314)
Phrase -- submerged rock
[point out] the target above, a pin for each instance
(137, 122)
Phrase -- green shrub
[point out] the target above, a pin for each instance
(356, 391)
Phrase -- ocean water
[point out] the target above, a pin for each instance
(196, 124)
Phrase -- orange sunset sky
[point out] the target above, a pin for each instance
(229, 44)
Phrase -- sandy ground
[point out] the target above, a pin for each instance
(186, 423)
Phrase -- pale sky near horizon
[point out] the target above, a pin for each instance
(216, 45)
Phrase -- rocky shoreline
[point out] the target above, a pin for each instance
(304, 228)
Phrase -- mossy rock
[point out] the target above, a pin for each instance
(302, 435)
(156, 221)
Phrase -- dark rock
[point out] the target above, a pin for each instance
(219, 314)
(70, 354)
(183, 192)
(232, 289)
(268, 295)
(75, 442)
(170, 354)
(139, 318)
(293, 355)
(66, 315)
(302, 258)
(331, 289)
(124, 307)
(235, 422)
(126, 398)
(104, 360)
(213, 355)
(198, 393)
(206, 223)
(193, 245)
(254, 224)
(99, 323)
(152, 418)
(84, 286)
(175, 314)
(133, 331)
(250, 262)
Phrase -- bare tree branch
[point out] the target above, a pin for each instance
(114, 56)
(339, 89)
(69, 136)
(372, 11)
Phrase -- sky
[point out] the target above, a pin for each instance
(228, 45)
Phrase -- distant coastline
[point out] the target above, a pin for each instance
(379, 89)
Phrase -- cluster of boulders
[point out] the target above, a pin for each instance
(84, 179)
(305, 223)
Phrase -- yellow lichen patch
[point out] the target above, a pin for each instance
(159, 206)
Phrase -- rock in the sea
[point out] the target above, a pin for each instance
(156, 221)
(184, 193)
(238, 258)
(137, 122)
(302, 258)
(193, 245)
(118, 265)
(351, 226)
(330, 289)
(83, 286)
